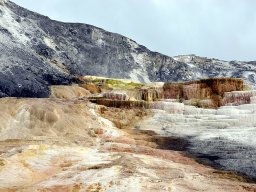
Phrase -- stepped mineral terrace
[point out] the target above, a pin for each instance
(141, 138)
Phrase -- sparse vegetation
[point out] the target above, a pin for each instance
(107, 83)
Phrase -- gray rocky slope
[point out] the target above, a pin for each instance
(37, 52)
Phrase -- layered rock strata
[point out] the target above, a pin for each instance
(207, 93)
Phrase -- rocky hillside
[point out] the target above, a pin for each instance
(37, 52)
(203, 67)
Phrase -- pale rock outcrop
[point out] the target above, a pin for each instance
(225, 136)
(238, 97)
(68, 92)
(170, 107)
(60, 119)
(188, 110)
(2, 2)
(228, 110)
(206, 103)
(253, 100)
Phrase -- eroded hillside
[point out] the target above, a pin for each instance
(37, 52)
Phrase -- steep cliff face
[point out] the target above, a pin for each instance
(206, 92)
(37, 52)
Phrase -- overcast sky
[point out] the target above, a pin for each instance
(224, 29)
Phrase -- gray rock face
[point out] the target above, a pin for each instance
(203, 67)
(37, 52)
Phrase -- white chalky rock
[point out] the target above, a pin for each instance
(228, 110)
(171, 107)
(253, 100)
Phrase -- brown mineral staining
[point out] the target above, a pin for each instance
(68, 92)
(239, 97)
(2, 162)
(205, 89)
(150, 94)
(116, 96)
(96, 187)
(121, 104)
(202, 88)
(93, 88)
(205, 93)
(123, 118)
(173, 90)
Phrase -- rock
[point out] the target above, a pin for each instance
(151, 94)
(93, 88)
(29, 43)
(2, 2)
(116, 95)
(68, 92)
(170, 107)
(44, 51)
(208, 92)
(145, 94)
(228, 111)
(206, 103)
(122, 103)
(173, 90)
(202, 67)
(253, 100)
(238, 97)
(223, 138)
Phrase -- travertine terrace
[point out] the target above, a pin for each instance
(67, 143)
(68, 123)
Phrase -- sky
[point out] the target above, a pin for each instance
(223, 29)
